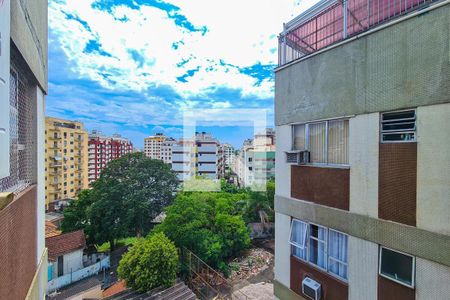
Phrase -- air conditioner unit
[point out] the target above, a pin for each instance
(311, 288)
(299, 157)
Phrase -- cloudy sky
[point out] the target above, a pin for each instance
(134, 66)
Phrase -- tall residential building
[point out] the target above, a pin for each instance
(23, 86)
(159, 146)
(362, 174)
(255, 163)
(228, 153)
(103, 149)
(183, 159)
(66, 159)
(152, 145)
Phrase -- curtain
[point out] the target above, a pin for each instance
(317, 138)
(299, 137)
(298, 237)
(338, 142)
(337, 251)
(317, 253)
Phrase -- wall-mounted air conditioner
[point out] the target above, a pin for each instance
(299, 157)
(311, 288)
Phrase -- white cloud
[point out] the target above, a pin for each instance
(240, 33)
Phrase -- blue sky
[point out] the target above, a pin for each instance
(134, 66)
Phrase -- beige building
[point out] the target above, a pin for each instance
(66, 159)
(23, 86)
(363, 163)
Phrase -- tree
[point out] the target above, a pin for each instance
(209, 224)
(129, 194)
(260, 202)
(75, 215)
(151, 262)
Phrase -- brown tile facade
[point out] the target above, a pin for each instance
(18, 245)
(398, 182)
(325, 186)
(390, 290)
(332, 288)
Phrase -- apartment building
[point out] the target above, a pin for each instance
(66, 159)
(209, 160)
(362, 106)
(103, 149)
(183, 159)
(159, 147)
(256, 161)
(228, 153)
(23, 86)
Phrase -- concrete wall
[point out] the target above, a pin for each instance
(40, 119)
(432, 280)
(282, 169)
(283, 253)
(362, 269)
(73, 261)
(363, 157)
(29, 33)
(433, 168)
(400, 66)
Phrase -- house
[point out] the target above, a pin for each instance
(65, 253)
(362, 109)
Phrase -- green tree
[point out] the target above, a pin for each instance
(151, 262)
(260, 201)
(209, 224)
(76, 214)
(129, 194)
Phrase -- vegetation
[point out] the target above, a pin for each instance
(129, 194)
(152, 262)
(128, 241)
(209, 224)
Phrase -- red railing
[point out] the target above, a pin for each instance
(323, 25)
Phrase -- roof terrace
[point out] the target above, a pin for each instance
(331, 21)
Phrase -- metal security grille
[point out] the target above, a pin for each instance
(22, 133)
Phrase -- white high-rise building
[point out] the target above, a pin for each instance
(228, 153)
(152, 145)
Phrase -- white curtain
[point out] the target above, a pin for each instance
(299, 137)
(317, 253)
(338, 142)
(298, 239)
(337, 251)
(317, 137)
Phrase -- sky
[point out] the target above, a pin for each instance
(135, 67)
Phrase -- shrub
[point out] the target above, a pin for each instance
(152, 262)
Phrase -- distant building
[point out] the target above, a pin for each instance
(228, 153)
(23, 86)
(183, 159)
(66, 159)
(103, 149)
(362, 110)
(159, 147)
(255, 163)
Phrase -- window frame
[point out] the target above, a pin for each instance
(305, 238)
(307, 146)
(325, 242)
(306, 248)
(413, 269)
(335, 259)
(390, 132)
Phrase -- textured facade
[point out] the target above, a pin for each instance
(66, 159)
(365, 214)
(103, 149)
(159, 147)
(23, 85)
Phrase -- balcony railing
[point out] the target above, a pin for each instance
(331, 21)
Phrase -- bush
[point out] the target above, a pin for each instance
(152, 262)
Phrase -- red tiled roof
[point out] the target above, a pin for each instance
(65, 243)
(51, 229)
(115, 289)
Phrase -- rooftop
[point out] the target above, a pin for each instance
(331, 21)
(65, 243)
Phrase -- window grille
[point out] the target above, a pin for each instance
(22, 131)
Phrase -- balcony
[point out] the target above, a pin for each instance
(331, 21)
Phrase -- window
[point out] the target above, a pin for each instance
(397, 266)
(317, 245)
(398, 126)
(309, 243)
(297, 238)
(326, 141)
(337, 253)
